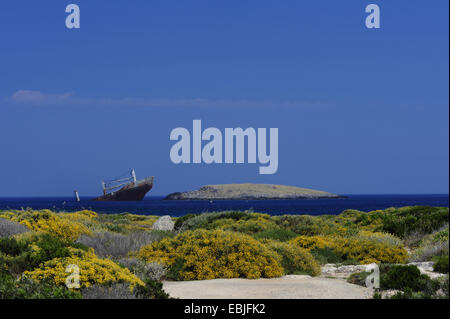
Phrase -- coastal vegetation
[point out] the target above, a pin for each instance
(121, 256)
(405, 282)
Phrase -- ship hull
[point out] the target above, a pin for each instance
(128, 193)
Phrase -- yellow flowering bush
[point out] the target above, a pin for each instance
(209, 254)
(311, 242)
(250, 226)
(85, 217)
(365, 249)
(93, 270)
(368, 251)
(48, 222)
(294, 258)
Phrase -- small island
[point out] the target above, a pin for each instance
(250, 192)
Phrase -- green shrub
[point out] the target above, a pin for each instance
(152, 290)
(15, 255)
(180, 220)
(114, 228)
(251, 226)
(404, 278)
(205, 220)
(405, 220)
(16, 265)
(397, 221)
(441, 264)
(434, 289)
(25, 288)
(441, 236)
(18, 255)
(174, 270)
(327, 255)
(12, 246)
(276, 234)
(49, 247)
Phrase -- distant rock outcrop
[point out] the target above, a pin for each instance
(164, 223)
(250, 192)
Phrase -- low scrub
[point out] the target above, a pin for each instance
(25, 288)
(205, 220)
(114, 291)
(143, 270)
(124, 223)
(411, 283)
(295, 260)
(405, 220)
(93, 270)
(209, 254)
(276, 234)
(407, 281)
(364, 249)
(441, 264)
(19, 255)
(426, 247)
(113, 245)
(256, 224)
(45, 221)
(327, 255)
(149, 290)
(9, 228)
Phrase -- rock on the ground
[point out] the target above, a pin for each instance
(164, 223)
(343, 272)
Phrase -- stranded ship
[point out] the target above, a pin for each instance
(126, 188)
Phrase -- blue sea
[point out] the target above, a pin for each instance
(158, 206)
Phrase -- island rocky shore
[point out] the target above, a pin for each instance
(250, 192)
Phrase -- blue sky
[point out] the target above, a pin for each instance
(359, 111)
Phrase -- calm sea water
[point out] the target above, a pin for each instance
(157, 206)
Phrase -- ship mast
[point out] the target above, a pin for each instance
(118, 183)
(133, 175)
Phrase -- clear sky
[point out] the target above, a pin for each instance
(359, 111)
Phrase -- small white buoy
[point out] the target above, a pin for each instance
(77, 197)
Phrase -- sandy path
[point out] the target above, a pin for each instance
(287, 287)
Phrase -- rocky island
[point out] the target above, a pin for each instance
(250, 192)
